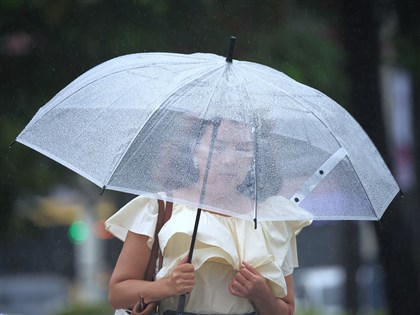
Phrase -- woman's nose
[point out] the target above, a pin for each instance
(228, 158)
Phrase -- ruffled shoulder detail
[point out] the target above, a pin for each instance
(138, 216)
(290, 228)
(231, 241)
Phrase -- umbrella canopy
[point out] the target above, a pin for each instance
(223, 136)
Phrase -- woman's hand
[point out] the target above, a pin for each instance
(249, 283)
(126, 282)
(182, 280)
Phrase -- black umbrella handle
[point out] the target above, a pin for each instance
(182, 297)
(181, 304)
(194, 235)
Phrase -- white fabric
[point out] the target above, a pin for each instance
(312, 182)
(222, 244)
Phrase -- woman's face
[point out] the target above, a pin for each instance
(231, 159)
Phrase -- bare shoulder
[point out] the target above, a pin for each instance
(133, 259)
(135, 246)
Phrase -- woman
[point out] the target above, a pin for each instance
(236, 269)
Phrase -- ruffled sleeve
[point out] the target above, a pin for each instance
(138, 216)
(288, 210)
(291, 259)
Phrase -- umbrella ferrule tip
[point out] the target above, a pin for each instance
(229, 57)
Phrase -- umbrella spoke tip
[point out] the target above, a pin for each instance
(102, 191)
(12, 143)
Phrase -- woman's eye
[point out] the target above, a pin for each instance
(219, 148)
(243, 148)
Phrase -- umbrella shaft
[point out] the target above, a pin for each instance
(181, 304)
(182, 297)
(194, 235)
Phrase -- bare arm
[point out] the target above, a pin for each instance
(249, 283)
(127, 284)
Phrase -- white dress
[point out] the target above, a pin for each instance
(222, 244)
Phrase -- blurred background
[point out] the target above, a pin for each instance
(56, 258)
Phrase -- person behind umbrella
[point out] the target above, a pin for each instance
(236, 269)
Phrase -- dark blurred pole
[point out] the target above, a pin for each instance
(360, 36)
(351, 264)
(408, 30)
(359, 39)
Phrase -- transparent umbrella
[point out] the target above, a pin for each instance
(142, 124)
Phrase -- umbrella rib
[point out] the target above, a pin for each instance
(161, 105)
(214, 91)
(255, 151)
(203, 115)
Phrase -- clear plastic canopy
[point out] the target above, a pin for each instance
(220, 136)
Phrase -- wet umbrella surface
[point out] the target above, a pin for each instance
(143, 124)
